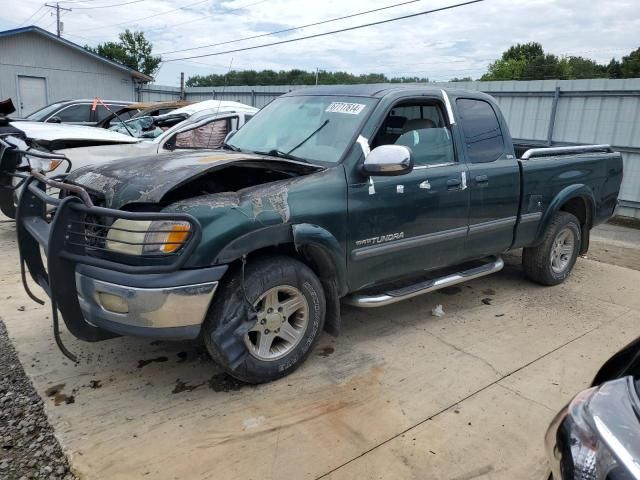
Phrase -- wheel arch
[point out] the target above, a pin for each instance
(311, 244)
(577, 200)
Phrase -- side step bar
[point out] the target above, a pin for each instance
(393, 296)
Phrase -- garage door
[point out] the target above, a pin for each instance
(32, 93)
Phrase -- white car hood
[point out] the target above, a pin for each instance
(83, 156)
(60, 131)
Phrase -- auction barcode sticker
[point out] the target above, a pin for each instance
(342, 107)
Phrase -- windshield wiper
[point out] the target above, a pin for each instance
(324, 124)
(281, 154)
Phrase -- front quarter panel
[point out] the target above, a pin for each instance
(260, 212)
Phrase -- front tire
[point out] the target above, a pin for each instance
(6, 203)
(551, 262)
(290, 307)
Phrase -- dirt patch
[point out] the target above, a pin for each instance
(144, 363)
(184, 387)
(614, 254)
(489, 291)
(222, 382)
(625, 222)
(28, 446)
(326, 351)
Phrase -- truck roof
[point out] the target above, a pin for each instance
(377, 90)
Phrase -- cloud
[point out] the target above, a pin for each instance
(454, 43)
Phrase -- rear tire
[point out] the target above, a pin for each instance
(551, 262)
(290, 305)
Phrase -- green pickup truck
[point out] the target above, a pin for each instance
(366, 195)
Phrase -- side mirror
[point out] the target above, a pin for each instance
(388, 160)
(230, 135)
(54, 120)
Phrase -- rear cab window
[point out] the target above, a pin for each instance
(482, 133)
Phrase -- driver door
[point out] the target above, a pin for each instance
(402, 225)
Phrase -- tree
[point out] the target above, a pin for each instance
(630, 65)
(291, 77)
(133, 50)
(529, 62)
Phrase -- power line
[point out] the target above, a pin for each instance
(294, 28)
(145, 18)
(356, 27)
(31, 16)
(107, 6)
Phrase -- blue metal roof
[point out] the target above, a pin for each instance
(64, 41)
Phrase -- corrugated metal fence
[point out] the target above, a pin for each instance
(551, 112)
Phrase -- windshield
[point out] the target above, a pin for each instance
(44, 112)
(313, 128)
(141, 127)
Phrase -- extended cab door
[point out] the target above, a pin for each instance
(405, 224)
(494, 177)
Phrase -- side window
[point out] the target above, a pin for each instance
(102, 112)
(75, 113)
(210, 135)
(483, 136)
(421, 128)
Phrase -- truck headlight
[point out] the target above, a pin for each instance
(585, 443)
(140, 237)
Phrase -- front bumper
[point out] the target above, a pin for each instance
(99, 294)
(168, 306)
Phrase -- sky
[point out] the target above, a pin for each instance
(459, 42)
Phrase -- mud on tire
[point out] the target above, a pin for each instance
(537, 261)
(287, 276)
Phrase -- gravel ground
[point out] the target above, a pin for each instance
(29, 449)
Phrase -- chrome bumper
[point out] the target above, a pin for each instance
(169, 312)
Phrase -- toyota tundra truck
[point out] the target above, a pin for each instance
(364, 195)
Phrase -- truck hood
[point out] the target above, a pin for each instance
(149, 179)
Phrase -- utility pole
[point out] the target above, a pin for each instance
(181, 85)
(57, 8)
(317, 75)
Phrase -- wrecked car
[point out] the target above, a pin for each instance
(47, 138)
(596, 436)
(77, 112)
(141, 109)
(365, 194)
(84, 146)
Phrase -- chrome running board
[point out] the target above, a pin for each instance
(393, 296)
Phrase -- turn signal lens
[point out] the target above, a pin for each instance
(176, 237)
(166, 236)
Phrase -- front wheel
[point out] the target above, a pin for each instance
(551, 262)
(289, 305)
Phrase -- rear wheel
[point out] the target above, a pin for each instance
(289, 304)
(551, 262)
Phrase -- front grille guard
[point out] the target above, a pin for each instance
(62, 235)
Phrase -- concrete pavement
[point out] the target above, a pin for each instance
(400, 394)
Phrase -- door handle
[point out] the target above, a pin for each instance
(453, 183)
(482, 178)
